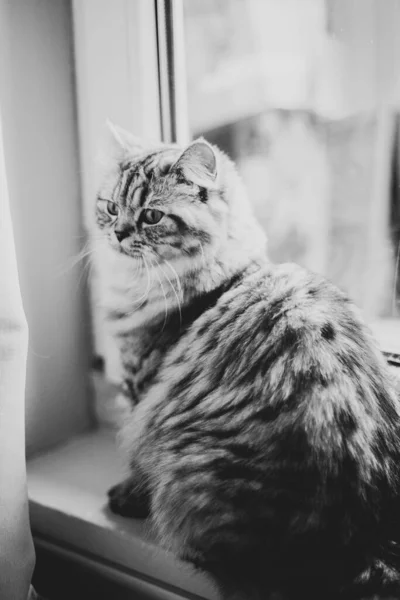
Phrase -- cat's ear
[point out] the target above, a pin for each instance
(120, 143)
(198, 163)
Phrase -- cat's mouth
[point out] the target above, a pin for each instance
(135, 252)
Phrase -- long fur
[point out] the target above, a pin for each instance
(265, 440)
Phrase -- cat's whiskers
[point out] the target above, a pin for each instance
(175, 292)
(86, 271)
(137, 273)
(148, 288)
(178, 281)
(75, 260)
(163, 291)
(137, 276)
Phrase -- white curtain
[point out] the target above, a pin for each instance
(16, 546)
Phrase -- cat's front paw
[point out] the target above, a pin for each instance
(126, 500)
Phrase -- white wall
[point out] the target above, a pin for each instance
(40, 135)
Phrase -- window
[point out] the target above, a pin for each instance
(304, 96)
(110, 46)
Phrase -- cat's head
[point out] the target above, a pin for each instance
(163, 202)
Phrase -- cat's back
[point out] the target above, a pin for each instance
(280, 341)
(272, 324)
(269, 425)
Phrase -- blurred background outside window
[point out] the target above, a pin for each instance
(304, 96)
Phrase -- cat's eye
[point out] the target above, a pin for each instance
(112, 208)
(151, 216)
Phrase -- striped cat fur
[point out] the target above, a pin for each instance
(264, 435)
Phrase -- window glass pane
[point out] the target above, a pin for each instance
(303, 96)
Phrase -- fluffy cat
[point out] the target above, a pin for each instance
(264, 438)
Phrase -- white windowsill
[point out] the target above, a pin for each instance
(387, 333)
(68, 509)
(67, 496)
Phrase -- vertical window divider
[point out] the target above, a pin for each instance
(171, 71)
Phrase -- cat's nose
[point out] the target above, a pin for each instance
(121, 234)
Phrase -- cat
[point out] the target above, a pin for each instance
(264, 434)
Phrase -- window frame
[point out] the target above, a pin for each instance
(67, 485)
(80, 530)
(171, 71)
(128, 62)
